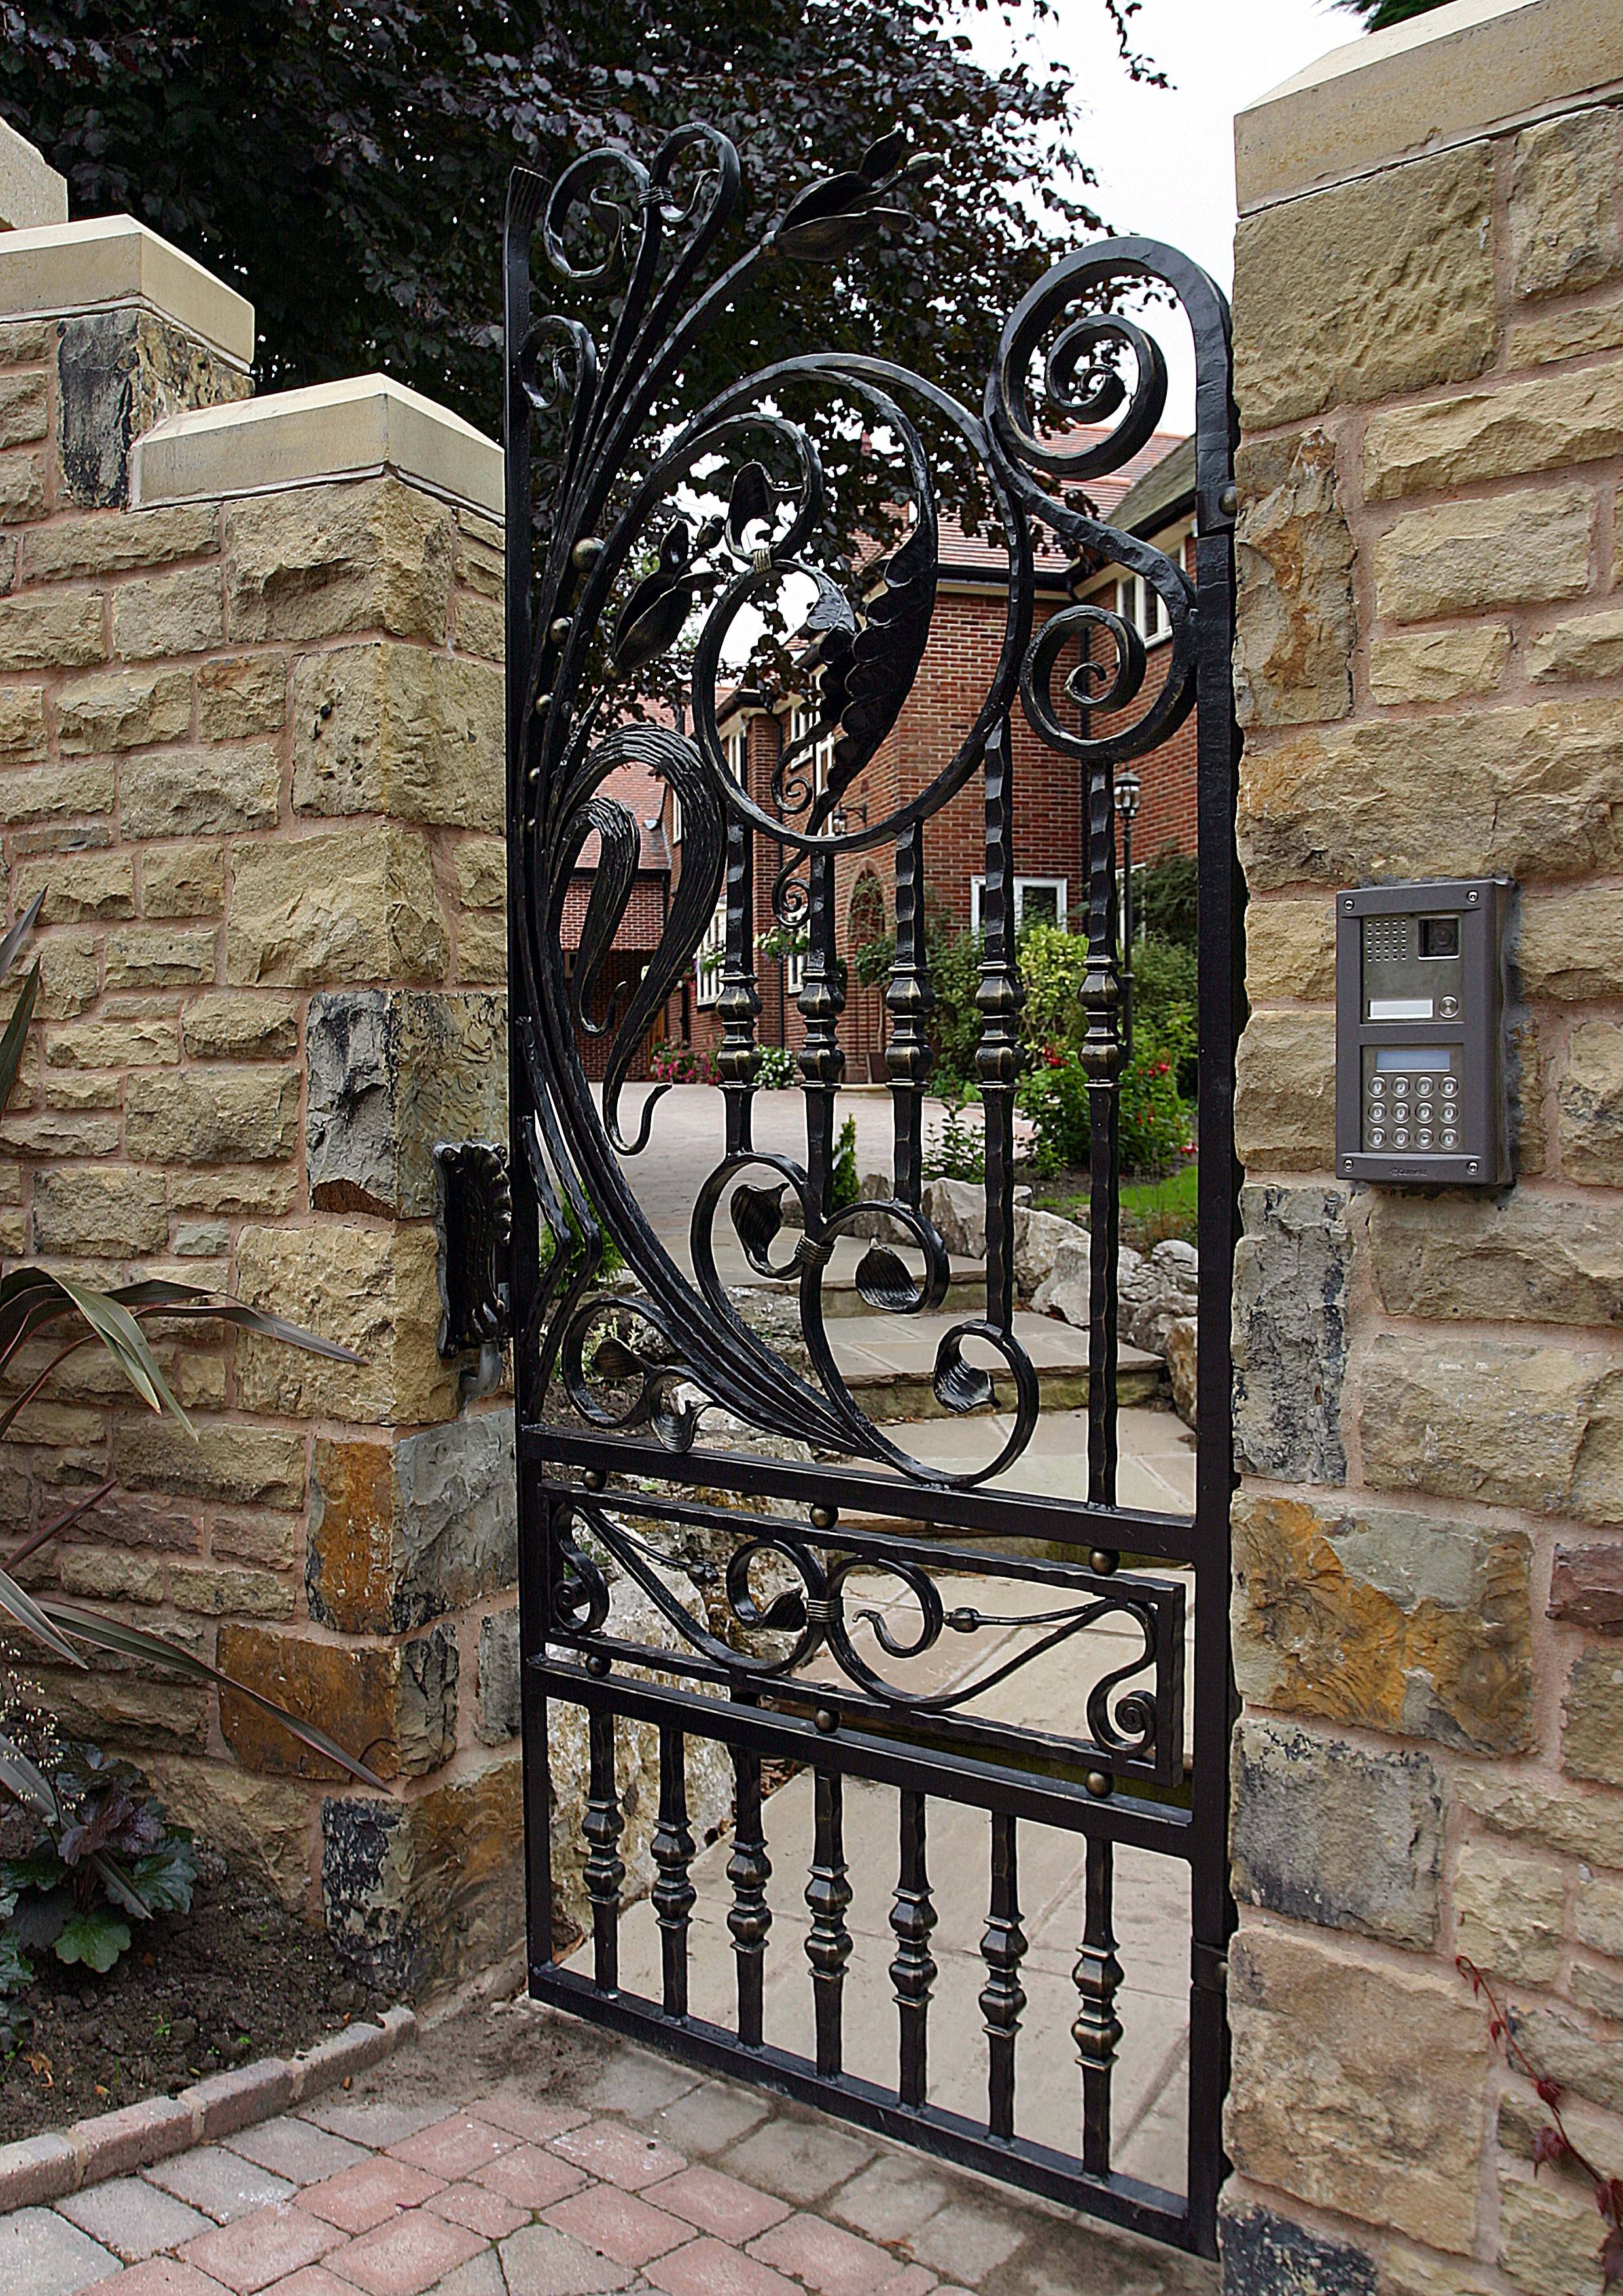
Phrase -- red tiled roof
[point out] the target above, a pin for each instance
(642, 795)
(959, 549)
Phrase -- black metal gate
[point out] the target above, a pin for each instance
(647, 1407)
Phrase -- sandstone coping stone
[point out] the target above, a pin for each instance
(1326, 1833)
(1357, 2088)
(31, 190)
(1520, 1257)
(1436, 80)
(403, 1533)
(1419, 1625)
(392, 1073)
(354, 427)
(1589, 1101)
(1531, 791)
(1512, 1425)
(108, 260)
(1374, 287)
(1291, 1269)
(1294, 559)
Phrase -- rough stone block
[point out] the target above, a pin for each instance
(263, 1822)
(77, 885)
(47, 632)
(322, 561)
(1326, 1833)
(1509, 1913)
(213, 1116)
(1571, 2054)
(1572, 946)
(1265, 2254)
(1290, 949)
(1438, 664)
(397, 730)
(1375, 287)
(1563, 204)
(1291, 1278)
(1589, 1101)
(240, 696)
(121, 372)
(424, 1895)
(192, 792)
(124, 711)
(22, 489)
(402, 1533)
(481, 872)
(1521, 792)
(1460, 557)
(1598, 1917)
(246, 1466)
(1545, 422)
(241, 1025)
(350, 1690)
(392, 1073)
(1472, 1418)
(1592, 1740)
(102, 543)
(1294, 560)
(106, 1211)
(53, 793)
(22, 724)
(1284, 1092)
(1589, 647)
(1567, 334)
(500, 1708)
(1356, 2088)
(185, 881)
(482, 946)
(1567, 1819)
(1515, 1258)
(121, 1042)
(375, 1290)
(1416, 1626)
(143, 956)
(1550, 2236)
(427, 1725)
(351, 904)
(1586, 1585)
(171, 614)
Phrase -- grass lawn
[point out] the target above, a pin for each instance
(1152, 1210)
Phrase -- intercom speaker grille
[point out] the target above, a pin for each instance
(1387, 940)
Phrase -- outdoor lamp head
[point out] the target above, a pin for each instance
(1128, 789)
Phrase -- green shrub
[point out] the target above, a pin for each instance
(776, 1069)
(1165, 897)
(957, 1152)
(1154, 1127)
(845, 1186)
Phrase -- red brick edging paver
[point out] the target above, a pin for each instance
(37, 2170)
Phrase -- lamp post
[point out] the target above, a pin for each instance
(1128, 791)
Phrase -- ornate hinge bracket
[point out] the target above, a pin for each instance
(475, 1246)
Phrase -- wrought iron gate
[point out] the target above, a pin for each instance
(684, 1584)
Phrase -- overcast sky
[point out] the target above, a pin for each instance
(1164, 156)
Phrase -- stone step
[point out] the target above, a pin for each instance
(889, 1362)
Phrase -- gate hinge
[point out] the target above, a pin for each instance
(475, 1246)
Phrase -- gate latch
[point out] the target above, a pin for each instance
(475, 1252)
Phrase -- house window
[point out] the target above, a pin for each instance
(1037, 901)
(801, 723)
(712, 958)
(1137, 603)
(676, 818)
(737, 747)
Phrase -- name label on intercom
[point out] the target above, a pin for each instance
(1420, 1025)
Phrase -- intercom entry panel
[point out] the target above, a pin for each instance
(1421, 1091)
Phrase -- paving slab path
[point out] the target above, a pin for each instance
(515, 2152)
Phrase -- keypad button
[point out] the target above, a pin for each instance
(1450, 1088)
(1377, 1138)
(1451, 1139)
(1377, 1087)
(1449, 1008)
(1424, 1088)
(1400, 1139)
(1422, 1139)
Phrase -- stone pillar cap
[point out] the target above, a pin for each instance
(349, 429)
(60, 268)
(1443, 78)
(31, 192)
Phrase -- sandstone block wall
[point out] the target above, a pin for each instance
(1427, 1609)
(251, 751)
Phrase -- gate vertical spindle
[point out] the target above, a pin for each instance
(912, 1972)
(1003, 1996)
(822, 1001)
(672, 1847)
(1101, 1065)
(1096, 2028)
(828, 1893)
(909, 998)
(604, 1871)
(738, 1002)
(997, 1058)
(749, 1870)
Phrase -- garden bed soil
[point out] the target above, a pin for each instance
(237, 1978)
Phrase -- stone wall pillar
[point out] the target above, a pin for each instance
(250, 748)
(1428, 1595)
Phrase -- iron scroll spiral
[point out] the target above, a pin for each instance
(609, 575)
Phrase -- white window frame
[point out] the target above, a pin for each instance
(738, 752)
(1139, 603)
(1059, 887)
(710, 958)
